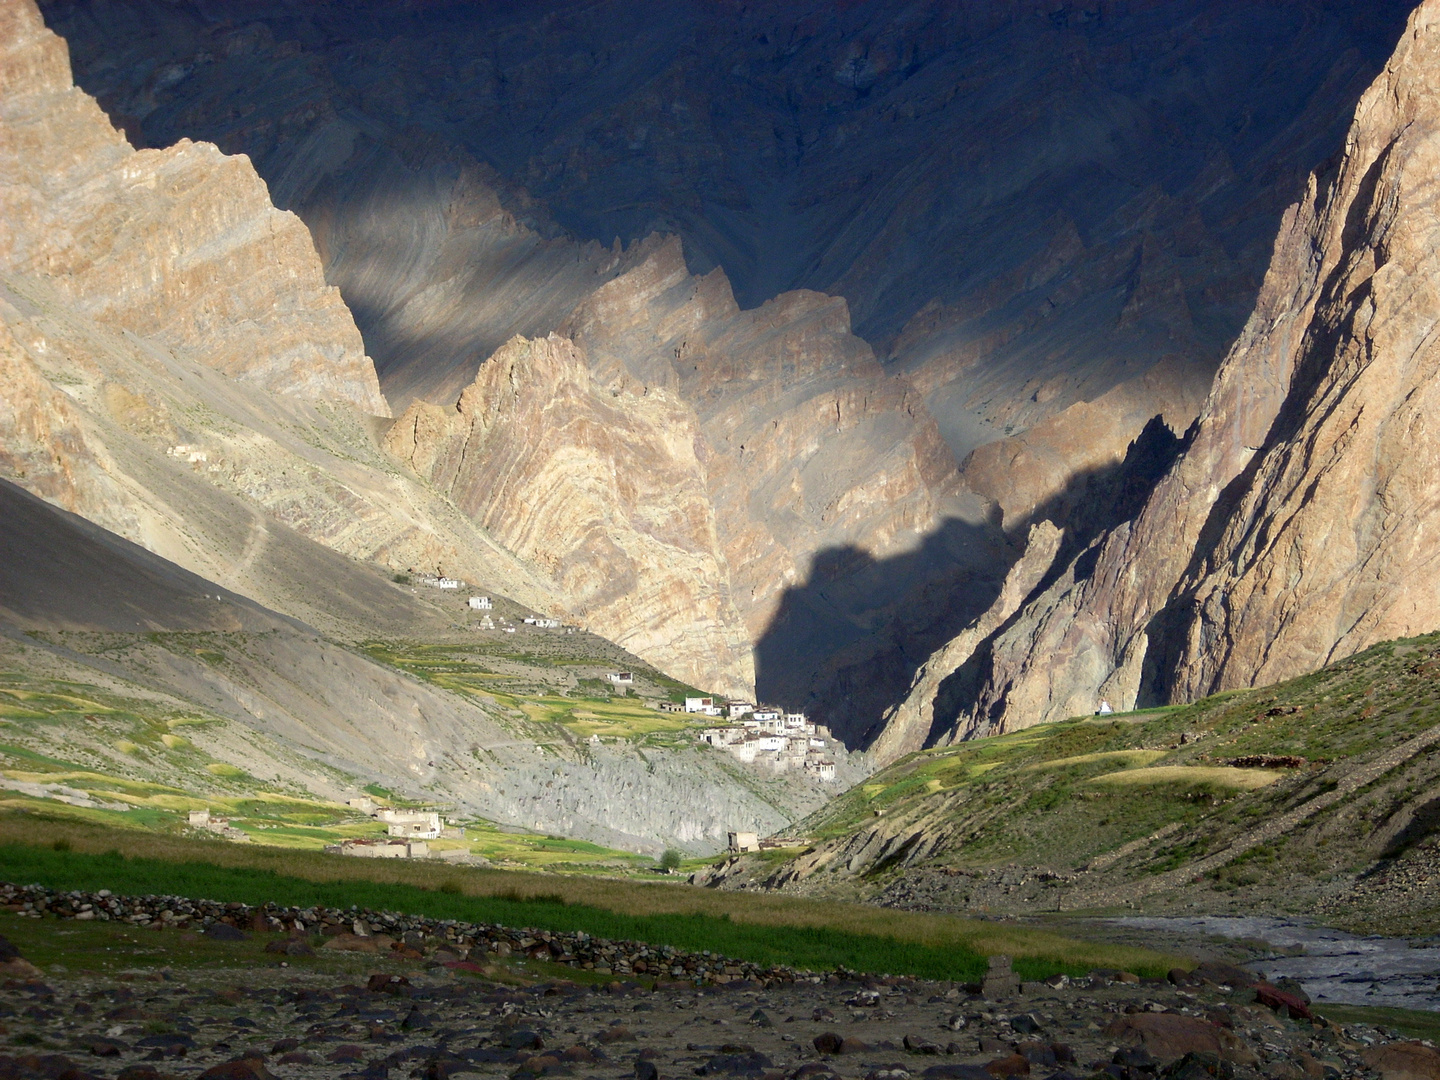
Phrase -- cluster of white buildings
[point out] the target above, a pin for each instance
(780, 741)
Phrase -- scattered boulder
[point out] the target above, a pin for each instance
(1404, 1061)
(245, 1068)
(224, 932)
(1223, 974)
(1168, 1036)
(1285, 1004)
(827, 1042)
(1013, 1065)
(1195, 1066)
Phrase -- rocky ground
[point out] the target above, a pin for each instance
(433, 1000)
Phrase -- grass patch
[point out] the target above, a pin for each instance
(1414, 1023)
(759, 928)
(1220, 776)
(1116, 757)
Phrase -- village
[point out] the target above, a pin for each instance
(765, 736)
(759, 735)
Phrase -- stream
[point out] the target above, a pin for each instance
(1335, 966)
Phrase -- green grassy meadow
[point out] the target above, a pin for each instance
(760, 928)
(1066, 793)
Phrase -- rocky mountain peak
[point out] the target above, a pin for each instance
(1292, 530)
(181, 245)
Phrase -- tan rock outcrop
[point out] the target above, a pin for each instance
(45, 445)
(174, 367)
(179, 245)
(1296, 527)
(808, 444)
(599, 488)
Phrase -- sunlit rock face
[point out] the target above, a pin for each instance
(174, 367)
(1045, 222)
(1300, 524)
(180, 245)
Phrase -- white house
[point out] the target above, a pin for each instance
(744, 841)
(737, 709)
(822, 770)
(699, 704)
(412, 824)
(622, 678)
(480, 603)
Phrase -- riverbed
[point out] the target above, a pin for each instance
(1334, 966)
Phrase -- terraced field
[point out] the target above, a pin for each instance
(78, 752)
(1305, 795)
(565, 688)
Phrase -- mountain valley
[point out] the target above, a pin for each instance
(1080, 269)
(444, 408)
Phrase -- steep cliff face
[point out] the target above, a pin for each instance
(835, 499)
(598, 486)
(1043, 259)
(1002, 194)
(1296, 527)
(179, 245)
(176, 368)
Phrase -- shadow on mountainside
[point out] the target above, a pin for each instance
(846, 645)
(1091, 504)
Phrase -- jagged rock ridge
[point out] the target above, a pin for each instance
(1295, 528)
(1048, 339)
(176, 368)
(179, 245)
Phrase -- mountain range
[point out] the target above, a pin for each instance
(937, 371)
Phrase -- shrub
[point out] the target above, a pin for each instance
(670, 860)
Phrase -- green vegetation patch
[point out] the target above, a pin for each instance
(761, 929)
(1064, 794)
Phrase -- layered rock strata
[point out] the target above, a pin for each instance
(1295, 528)
(600, 488)
(177, 369)
(1070, 281)
(181, 245)
(685, 469)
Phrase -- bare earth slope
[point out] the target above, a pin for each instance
(275, 708)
